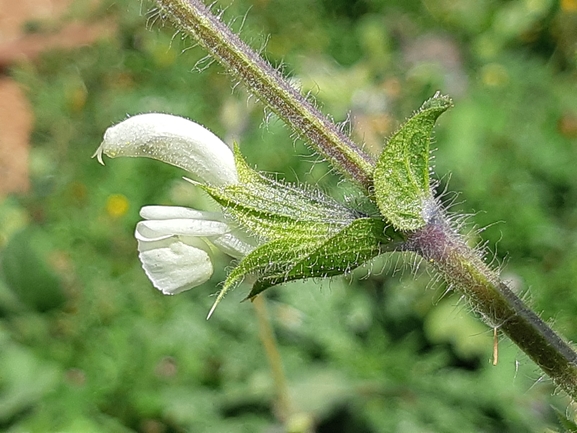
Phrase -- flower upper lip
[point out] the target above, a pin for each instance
(173, 140)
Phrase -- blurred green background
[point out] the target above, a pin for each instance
(86, 343)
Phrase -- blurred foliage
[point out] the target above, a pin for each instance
(87, 345)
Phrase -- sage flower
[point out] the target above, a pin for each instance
(175, 243)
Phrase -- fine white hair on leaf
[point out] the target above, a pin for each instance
(262, 50)
(242, 21)
(219, 14)
(311, 94)
(172, 38)
(203, 63)
(189, 47)
(154, 14)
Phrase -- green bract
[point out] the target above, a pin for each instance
(305, 233)
(360, 241)
(276, 210)
(401, 177)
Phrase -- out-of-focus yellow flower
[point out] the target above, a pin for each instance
(494, 75)
(569, 5)
(117, 205)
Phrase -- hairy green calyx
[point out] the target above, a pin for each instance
(303, 232)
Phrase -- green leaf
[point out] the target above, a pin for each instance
(289, 259)
(401, 177)
(361, 241)
(273, 260)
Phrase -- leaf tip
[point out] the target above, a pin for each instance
(437, 102)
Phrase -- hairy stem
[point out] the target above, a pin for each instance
(464, 270)
(194, 18)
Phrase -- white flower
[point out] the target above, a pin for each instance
(175, 243)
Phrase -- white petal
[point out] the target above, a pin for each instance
(173, 266)
(173, 212)
(173, 140)
(232, 245)
(161, 229)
